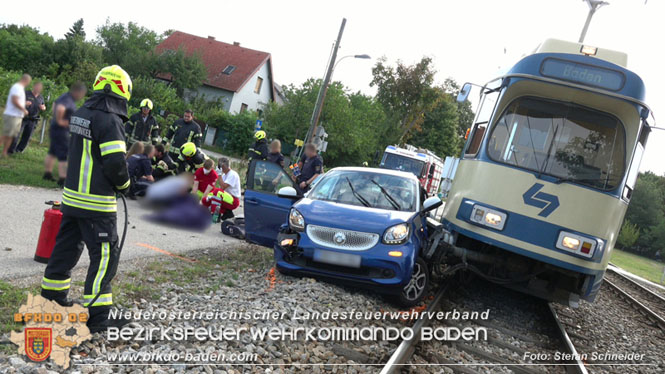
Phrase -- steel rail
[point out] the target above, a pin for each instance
(641, 287)
(577, 366)
(407, 347)
(660, 321)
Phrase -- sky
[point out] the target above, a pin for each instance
(469, 40)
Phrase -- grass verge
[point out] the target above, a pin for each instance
(638, 265)
(27, 168)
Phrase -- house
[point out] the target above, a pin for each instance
(241, 77)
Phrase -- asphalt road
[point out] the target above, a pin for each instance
(21, 218)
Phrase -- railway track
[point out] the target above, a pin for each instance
(647, 302)
(505, 347)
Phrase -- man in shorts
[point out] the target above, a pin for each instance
(63, 107)
(14, 112)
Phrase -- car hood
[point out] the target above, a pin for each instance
(350, 217)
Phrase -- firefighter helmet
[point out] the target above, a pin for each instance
(116, 79)
(188, 149)
(260, 135)
(146, 102)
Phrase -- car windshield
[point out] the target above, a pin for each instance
(402, 163)
(365, 188)
(566, 141)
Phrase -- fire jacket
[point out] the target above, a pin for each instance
(190, 164)
(258, 151)
(97, 166)
(136, 129)
(182, 132)
(163, 167)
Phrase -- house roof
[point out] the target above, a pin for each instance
(217, 56)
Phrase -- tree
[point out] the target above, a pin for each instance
(440, 126)
(130, 46)
(353, 121)
(25, 49)
(186, 72)
(406, 93)
(76, 31)
(646, 212)
(628, 235)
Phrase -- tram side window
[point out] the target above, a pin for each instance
(635, 164)
(482, 119)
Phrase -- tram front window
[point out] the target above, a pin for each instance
(566, 141)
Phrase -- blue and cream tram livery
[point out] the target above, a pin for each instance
(547, 172)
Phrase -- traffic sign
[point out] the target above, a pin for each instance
(259, 124)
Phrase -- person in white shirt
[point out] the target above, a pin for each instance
(229, 181)
(15, 110)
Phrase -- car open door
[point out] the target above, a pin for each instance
(265, 212)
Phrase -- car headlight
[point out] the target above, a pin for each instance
(488, 217)
(296, 220)
(397, 234)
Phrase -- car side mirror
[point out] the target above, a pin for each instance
(431, 204)
(463, 94)
(288, 193)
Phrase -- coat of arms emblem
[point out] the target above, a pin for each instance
(38, 342)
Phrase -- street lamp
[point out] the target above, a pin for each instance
(363, 56)
(593, 6)
(324, 87)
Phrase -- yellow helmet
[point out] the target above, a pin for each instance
(188, 149)
(116, 79)
(146, 102)
(260, 135)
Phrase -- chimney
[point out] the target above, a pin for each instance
(237, 44)
(211, 37)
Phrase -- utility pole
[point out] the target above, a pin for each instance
(593, 6)
(324, 87)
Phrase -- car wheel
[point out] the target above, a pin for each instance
(415, 290)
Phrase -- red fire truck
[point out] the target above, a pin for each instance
(423, 163)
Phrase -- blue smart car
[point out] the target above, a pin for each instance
(362, 226)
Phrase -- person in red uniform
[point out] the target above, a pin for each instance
(220, 203)
(205, 178)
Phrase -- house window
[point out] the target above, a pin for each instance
(259, 112)
(229, 69)
(243, 107)
(259, 82)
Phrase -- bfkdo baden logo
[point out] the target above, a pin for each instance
(38, 342)
(50, 331)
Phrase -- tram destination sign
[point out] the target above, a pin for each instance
(589, 75)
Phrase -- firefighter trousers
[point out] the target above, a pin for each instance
(101, 238)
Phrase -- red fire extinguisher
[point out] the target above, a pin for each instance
(49, 230)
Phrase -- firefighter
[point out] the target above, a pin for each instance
(97, 172)
(190, 159)
(142, 126)
(162, 164)
(259, 151)
(183, 131)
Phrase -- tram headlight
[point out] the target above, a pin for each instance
(578, 244)
(488, 217)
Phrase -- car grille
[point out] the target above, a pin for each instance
(331, 237)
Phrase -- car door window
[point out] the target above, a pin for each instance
(269, 177)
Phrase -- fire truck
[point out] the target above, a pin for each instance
(427, 166)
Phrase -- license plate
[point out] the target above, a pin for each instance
(335, 258)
